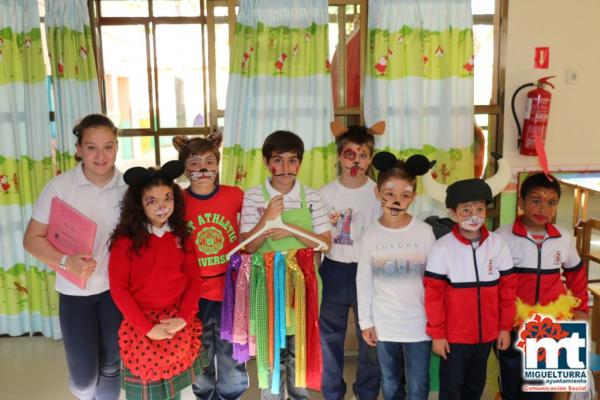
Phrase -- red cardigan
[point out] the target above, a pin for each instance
(162, 275)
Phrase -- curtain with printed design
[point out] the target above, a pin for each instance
(74, 76)
(279, 79)
(419, 80)
(28, 302)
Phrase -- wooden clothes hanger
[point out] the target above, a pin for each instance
(278, 223)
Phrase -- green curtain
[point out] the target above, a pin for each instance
(74, 77)
(279, 80)
(28, 302)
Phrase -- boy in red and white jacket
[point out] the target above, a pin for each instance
(543, 254)
(470, 291)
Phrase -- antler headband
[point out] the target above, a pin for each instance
(215, 137)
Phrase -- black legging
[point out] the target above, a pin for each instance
(90, 327)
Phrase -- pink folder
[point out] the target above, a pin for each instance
(70, 232)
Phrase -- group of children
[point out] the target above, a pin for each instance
(160, 256)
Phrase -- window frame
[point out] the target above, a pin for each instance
(494, 110)
(149, 23)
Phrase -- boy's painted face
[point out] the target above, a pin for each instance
(470, 215)
(395, 196)
(158, 203)
(540, 205)
(98, 150)
(355, 159)
(283, 167)
(202, 168)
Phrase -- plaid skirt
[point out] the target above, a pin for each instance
(164, 389)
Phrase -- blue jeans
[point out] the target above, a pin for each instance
(339, 295)
(90, 326)
(223, 378)
(408, 360)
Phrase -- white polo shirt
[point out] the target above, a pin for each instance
(101, 205)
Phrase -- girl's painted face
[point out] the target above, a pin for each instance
(202, 168)
(98, 150)
(540, 205)
(284, 167)
(355, 159)
(395, 196)
(158, 203)
(471, 215)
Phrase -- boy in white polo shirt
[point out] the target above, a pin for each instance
(353, 207)
(299, 206)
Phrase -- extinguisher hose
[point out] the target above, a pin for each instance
(514, 112)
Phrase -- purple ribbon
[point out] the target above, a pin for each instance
(241, 307)
(229, 298)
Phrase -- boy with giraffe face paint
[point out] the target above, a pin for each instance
(352, 208)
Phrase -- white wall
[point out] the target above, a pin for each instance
(571, 28)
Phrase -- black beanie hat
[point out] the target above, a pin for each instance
(468, 190)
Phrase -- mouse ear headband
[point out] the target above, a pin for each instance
(215, 137)
(338, 129)
(139, 176)
(415, 165)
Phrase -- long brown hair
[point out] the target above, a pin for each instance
(133, 223)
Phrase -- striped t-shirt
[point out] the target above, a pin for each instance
(254, 206)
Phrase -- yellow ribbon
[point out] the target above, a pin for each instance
(296, 298)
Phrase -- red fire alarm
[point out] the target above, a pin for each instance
(542, 57)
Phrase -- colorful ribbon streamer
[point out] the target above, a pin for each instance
(314, 361)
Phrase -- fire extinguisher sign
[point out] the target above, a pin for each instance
(542, 57)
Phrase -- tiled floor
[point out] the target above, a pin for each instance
(35, 368)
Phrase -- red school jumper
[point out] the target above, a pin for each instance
(162, 281)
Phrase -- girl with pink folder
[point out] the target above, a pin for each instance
(89, 319)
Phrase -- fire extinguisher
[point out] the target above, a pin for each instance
(531, 139)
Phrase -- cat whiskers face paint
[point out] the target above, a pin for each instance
(163, 212)
(202, 174)
(158, 203)
(202, 167)
(396, 196)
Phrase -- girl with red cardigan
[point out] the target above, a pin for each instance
(155, 282)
